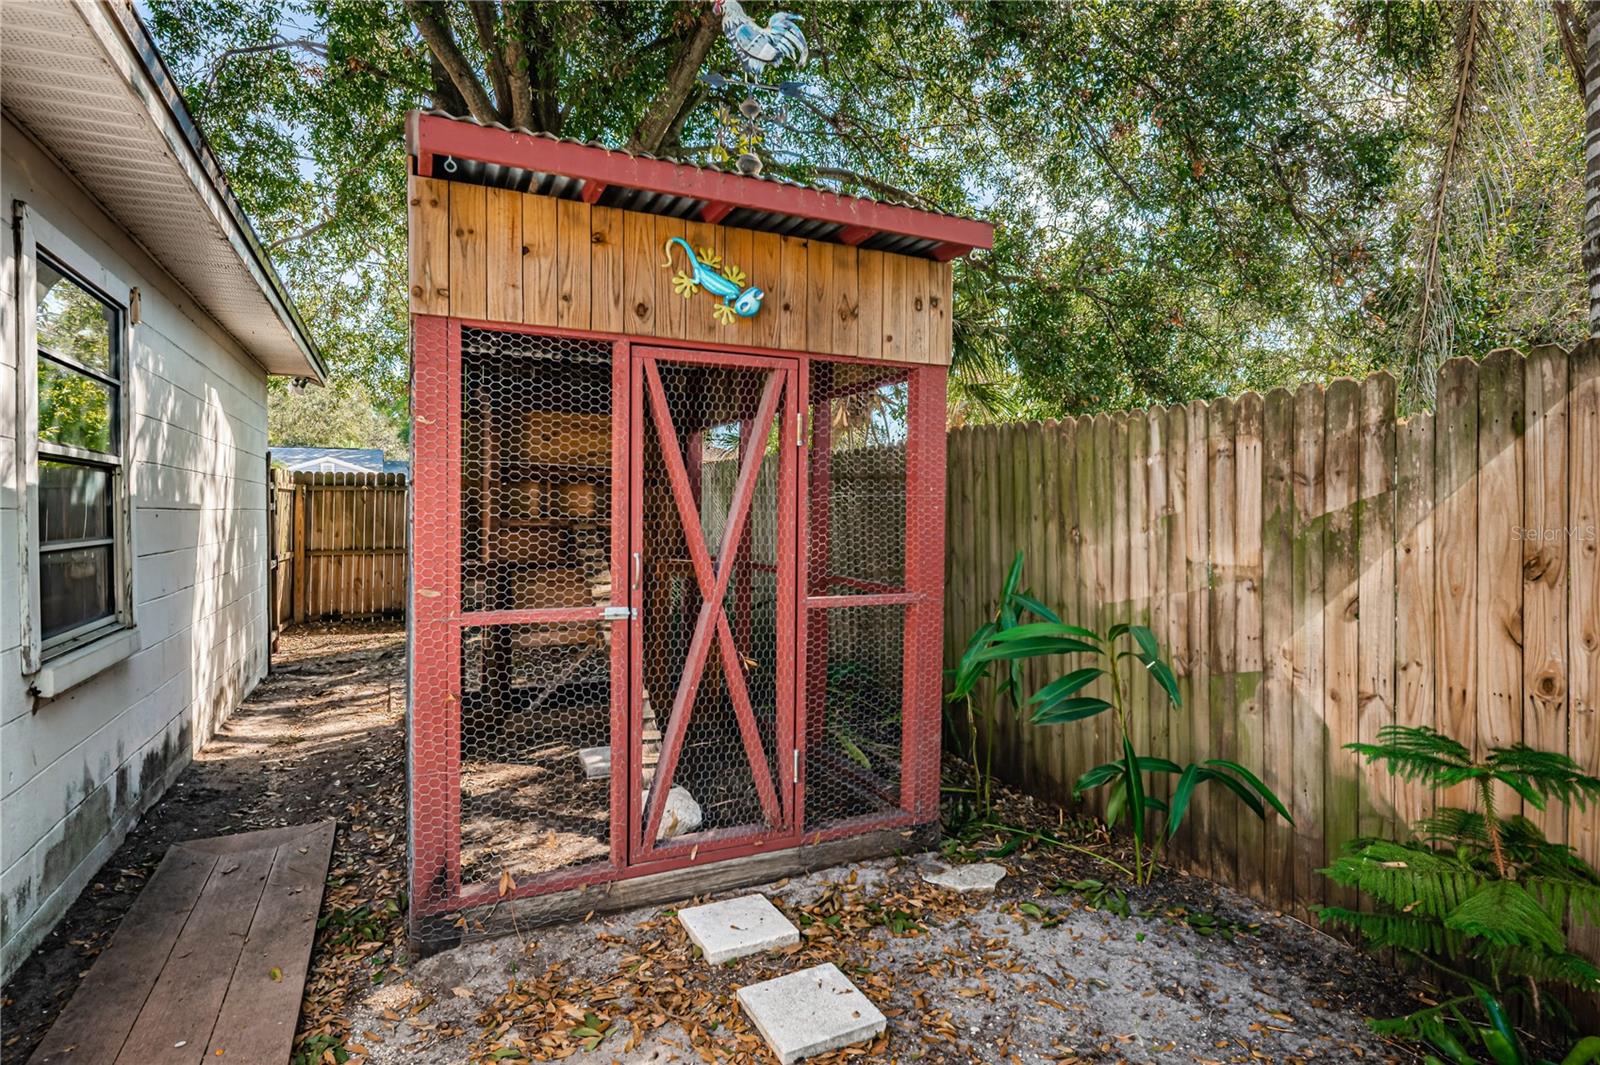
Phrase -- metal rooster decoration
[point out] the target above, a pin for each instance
(756, 48)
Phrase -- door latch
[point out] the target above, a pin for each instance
(619, 613)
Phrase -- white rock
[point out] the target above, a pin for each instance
(810, 1012)
(979, 876)
(596, 762)
(733, 928)
(680, 815)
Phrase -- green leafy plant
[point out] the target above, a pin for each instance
(1116, 655)
(986, 700)
(1480, 898)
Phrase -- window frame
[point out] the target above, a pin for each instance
(32, 451)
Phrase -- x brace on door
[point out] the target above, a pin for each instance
(713, 583)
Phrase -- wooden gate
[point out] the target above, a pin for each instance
(338, 546)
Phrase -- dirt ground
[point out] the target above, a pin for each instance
(320, 738)
(1032, 973)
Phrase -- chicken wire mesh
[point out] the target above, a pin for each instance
(578, 749)
(716, 654)
(855, 654)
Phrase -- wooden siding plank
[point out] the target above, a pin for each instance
(846, 324)
(469, 250)
(1177, 581)
(1060, 570)
(1249, 737)
(1161, 710)
(870, 267)
(1499, 629)
(1310, 735)
(671, 308)
(1375, 525)
(918, 311)
(700, 322)
(503, 233)
(607, 282)
(1543, 536)
(641, 267)
(573, 270)
(540, 262)
(1455, 493)
(1088, 598)
(428, 258)
(819, 296)
(1414, 596)
(1197, 579)
(1341, 632)
(942, 304)
(792, 307)
(895, 326)
(1277, 638)
(1217, 815)
(1137, 473)
(1583, 605)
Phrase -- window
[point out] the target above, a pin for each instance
(80, 447)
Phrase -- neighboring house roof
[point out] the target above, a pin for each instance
(336, 460)
(462, 149)
(85, 80)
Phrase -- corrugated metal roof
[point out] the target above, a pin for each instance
(560, 186)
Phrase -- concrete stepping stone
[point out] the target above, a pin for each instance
(736, 927)
(810, 1012)
(979, 876)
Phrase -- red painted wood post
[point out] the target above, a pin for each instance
(435, 690)
(925, 503)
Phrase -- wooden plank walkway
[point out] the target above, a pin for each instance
(210, 961)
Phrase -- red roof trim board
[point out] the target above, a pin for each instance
(429, 136)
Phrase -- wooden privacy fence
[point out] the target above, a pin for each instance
(1316, 568)
(338, 546)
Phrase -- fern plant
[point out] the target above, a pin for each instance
(1480, 898)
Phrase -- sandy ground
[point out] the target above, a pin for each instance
(1024, 975)
(962, 978)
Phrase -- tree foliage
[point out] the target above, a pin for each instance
(1192, 199)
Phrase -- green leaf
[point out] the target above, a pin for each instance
(1071, 710)
(1037, 607)
(1117, 801)
(1585, 1052)
(1147, 643)
(1070, 684)
(1504, 913)
(1255, 782)
(1099, 776)
(1236, 786)
(1130, 770)
(1180, 798)
(1168, 681)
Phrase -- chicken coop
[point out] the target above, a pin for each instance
(678, 525)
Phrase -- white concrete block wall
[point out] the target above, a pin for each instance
(77, 771)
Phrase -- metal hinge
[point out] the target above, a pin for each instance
(800, 428)
(619, 613)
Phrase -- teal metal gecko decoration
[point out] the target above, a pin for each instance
(708, 271)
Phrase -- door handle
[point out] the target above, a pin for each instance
(638, 569)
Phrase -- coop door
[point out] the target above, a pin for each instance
(713, 539)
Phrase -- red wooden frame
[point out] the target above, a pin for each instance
(429, 136)
(437, 618)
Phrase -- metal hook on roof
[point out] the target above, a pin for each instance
(449, 164)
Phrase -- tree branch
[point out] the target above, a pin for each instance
(681, 73)
(516, 58)
(1571, 31)
(305, 44)
(435, 30)
(486, 18)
